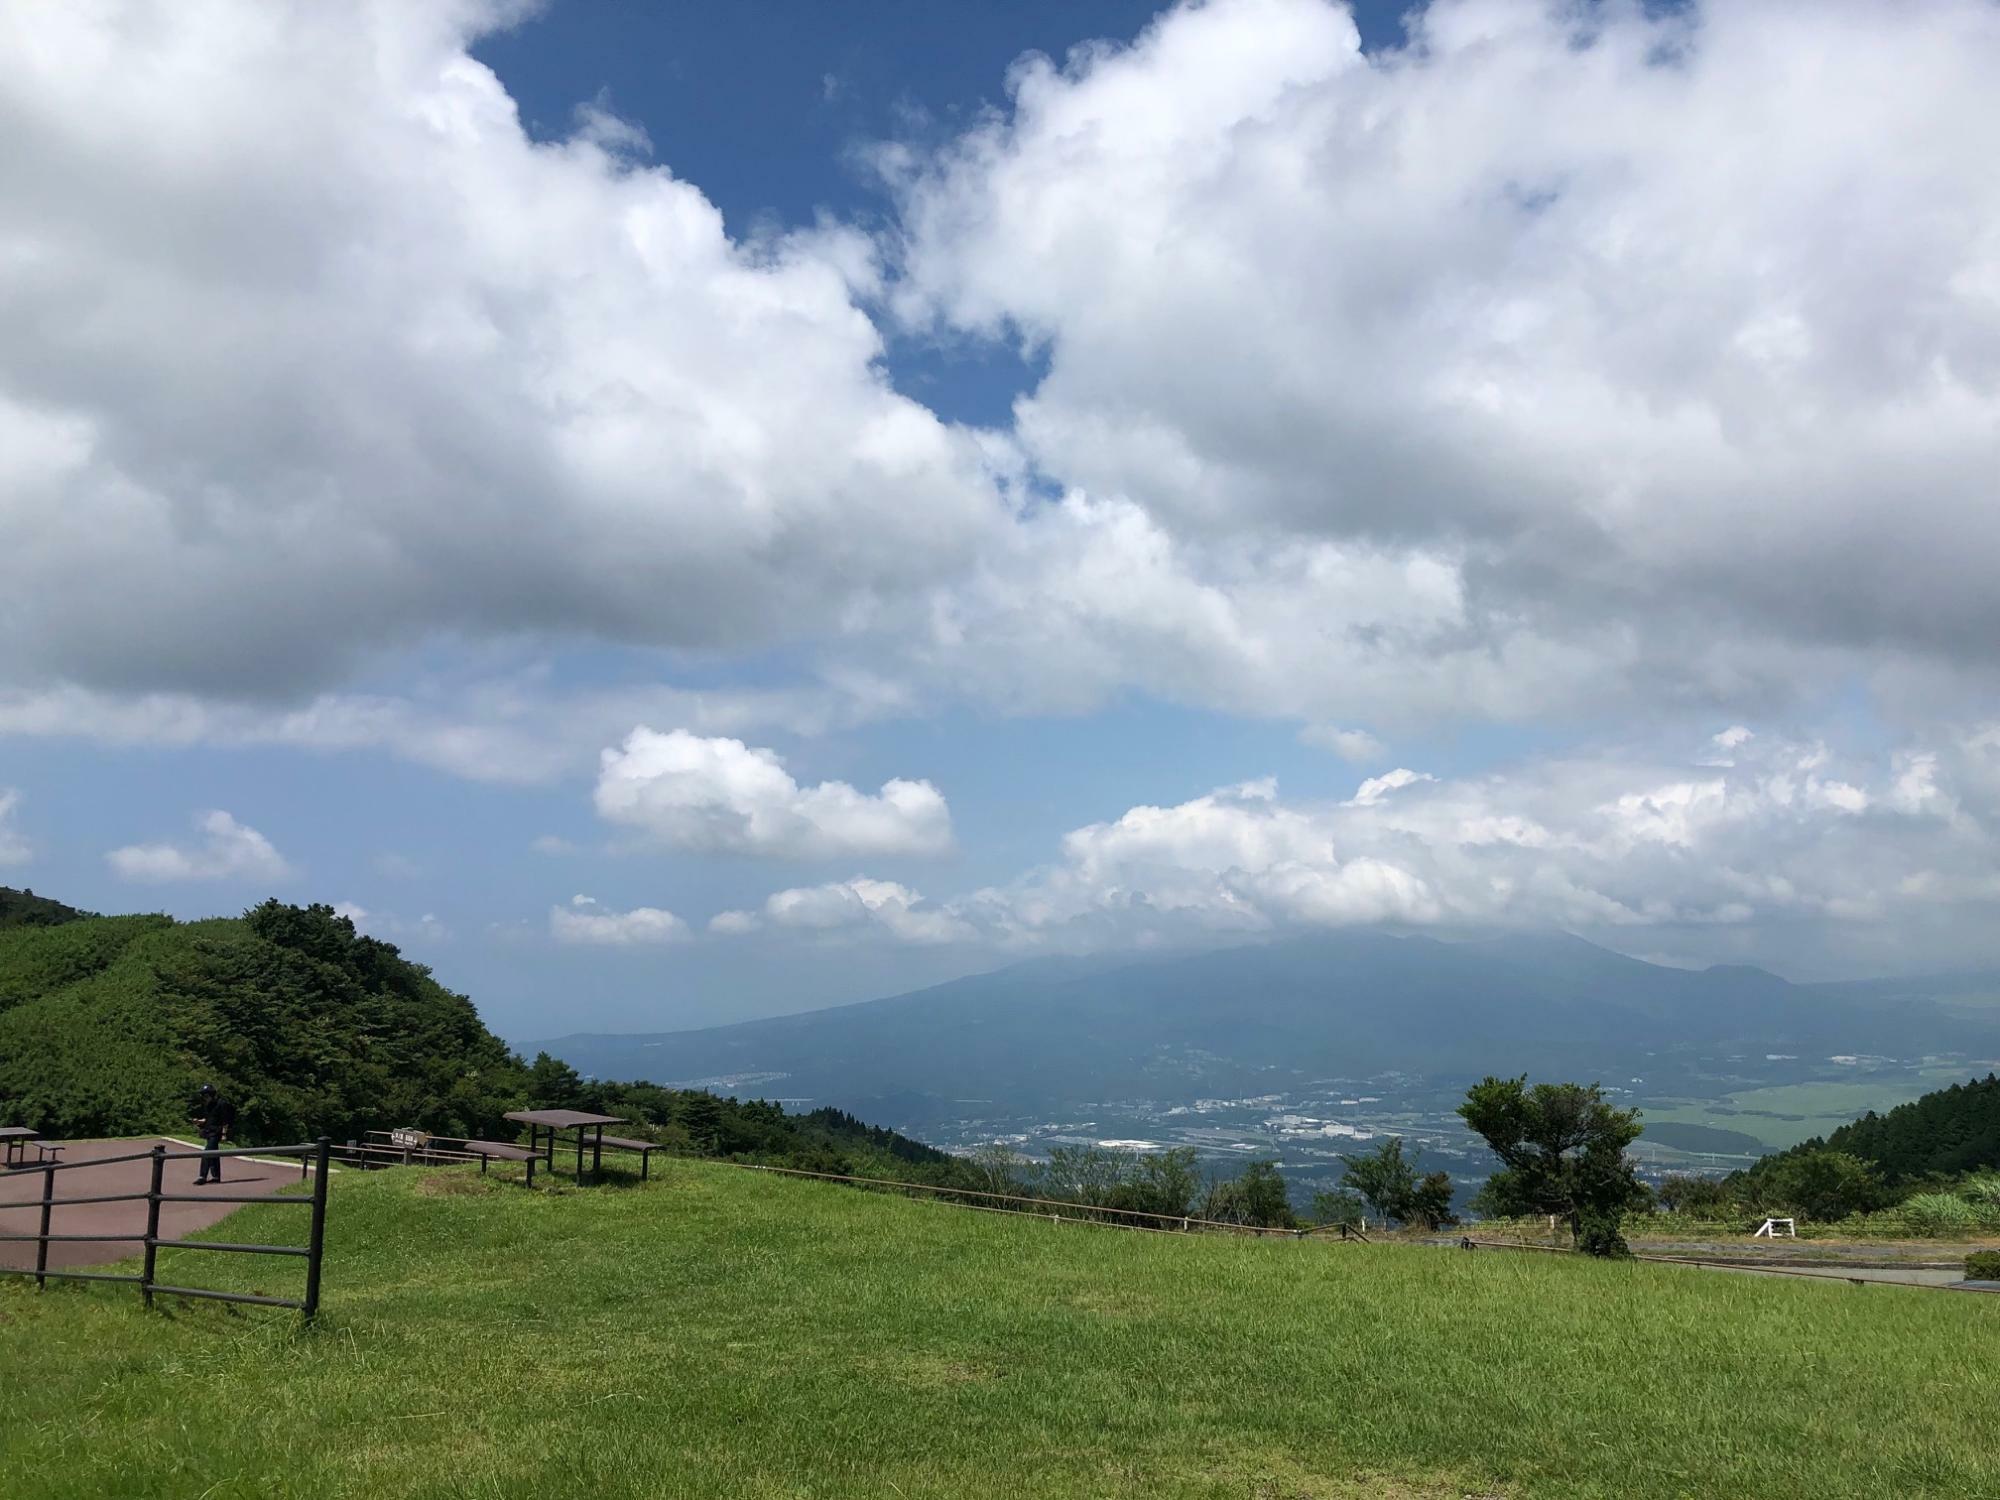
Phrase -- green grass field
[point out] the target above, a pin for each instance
(725, 1333)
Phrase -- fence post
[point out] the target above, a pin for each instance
(316, 1241)
(153, 1224)
(42, 1245)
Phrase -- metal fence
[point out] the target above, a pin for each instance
(403, 1148)
(313, 1155)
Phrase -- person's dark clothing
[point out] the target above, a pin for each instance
(215, 1117)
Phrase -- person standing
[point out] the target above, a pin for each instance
(215, 1117)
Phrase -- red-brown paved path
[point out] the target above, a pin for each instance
(241, 1176)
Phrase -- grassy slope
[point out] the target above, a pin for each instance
(723, 1333)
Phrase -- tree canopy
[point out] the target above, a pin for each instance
(1388, 1181)
(1562, 1151)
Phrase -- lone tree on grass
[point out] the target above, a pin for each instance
(1562, 1151)
(1388, 1180)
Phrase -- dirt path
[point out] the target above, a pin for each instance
(21, 1198)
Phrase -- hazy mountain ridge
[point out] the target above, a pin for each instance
(1266, 1017)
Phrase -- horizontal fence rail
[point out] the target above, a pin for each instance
(313, 1157)
(1053, 1208)
(1830, 1272)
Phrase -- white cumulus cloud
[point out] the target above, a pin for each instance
(861, 904)
(722, 796)
(228, 850)
(586, 922)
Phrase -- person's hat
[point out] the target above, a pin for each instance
(208, 1088)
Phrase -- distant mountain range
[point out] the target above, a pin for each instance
(1264, 1019)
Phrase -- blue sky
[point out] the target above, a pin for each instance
(566, 478)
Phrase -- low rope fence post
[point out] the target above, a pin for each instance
(153, 1224)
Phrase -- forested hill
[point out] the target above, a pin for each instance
(26, 909)
(1953, 1130)
(108, 1024)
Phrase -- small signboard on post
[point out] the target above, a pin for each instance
(410, 1139)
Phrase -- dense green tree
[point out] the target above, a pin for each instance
(1341, 1205)
(1823, 1185)
(1257, 1197)
(999, 1168)
(1562, 1151)
(552, 1083)
(1430, 1202)
(1384, 1177)
(1086, 1174)
(1166, 1182)
(700, 1115)
(1685, 1193)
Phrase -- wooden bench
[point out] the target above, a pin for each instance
(492, 1151)
(644, 1148)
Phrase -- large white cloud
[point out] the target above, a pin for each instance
(228, 850)
(722, 796)
(307, 350)
(1575, 351)
(1784, 851)
(1573, 355)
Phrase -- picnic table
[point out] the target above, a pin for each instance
(557, 1120)
(17, 1139)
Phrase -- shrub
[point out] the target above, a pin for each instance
(1983, 1191)
(1822, 1185)
(1258, 1198)
(1337, 1206)
(1939, 1213)
(1696, 1196)
(1983, 1265)
(1598, 1234)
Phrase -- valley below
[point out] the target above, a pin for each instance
(1302, 1052)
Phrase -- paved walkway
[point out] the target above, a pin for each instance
(241, 1176)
